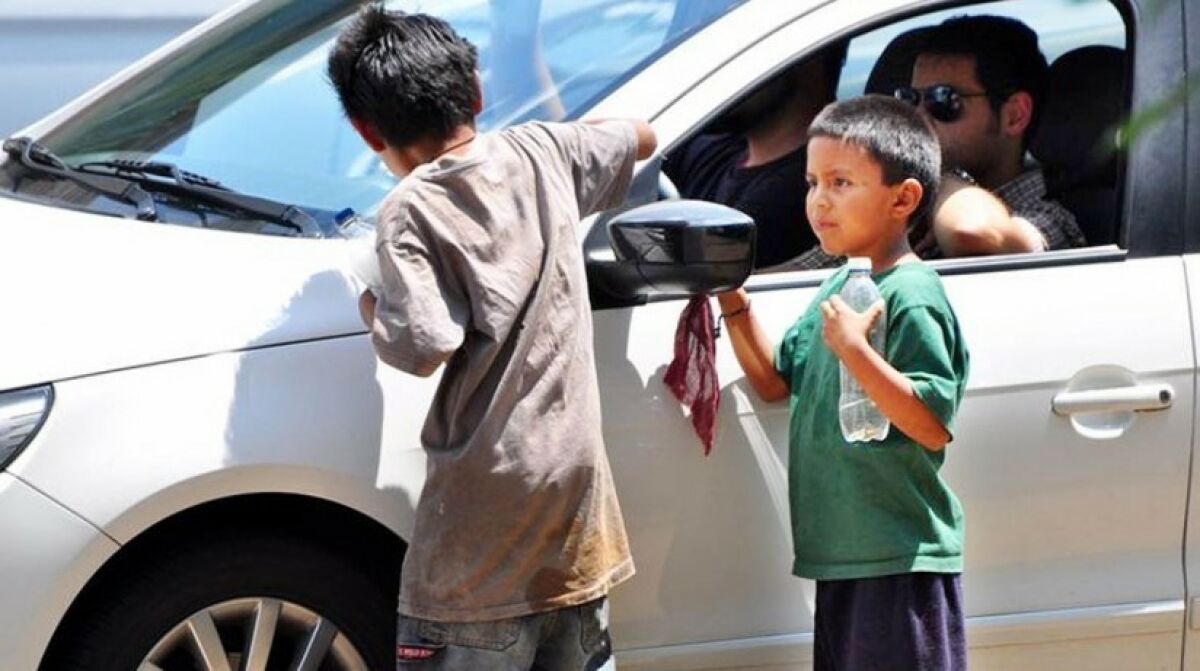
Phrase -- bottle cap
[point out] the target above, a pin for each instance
(859, 263)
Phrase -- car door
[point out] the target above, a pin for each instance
(1074, 518)
(1191, 236)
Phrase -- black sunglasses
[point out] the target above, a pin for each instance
(942, 101)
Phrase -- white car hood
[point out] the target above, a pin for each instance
(82, 294)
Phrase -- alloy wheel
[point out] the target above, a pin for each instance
(254, 634)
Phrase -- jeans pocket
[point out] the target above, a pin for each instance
(593, 627)
(494, 635)
(412, 649)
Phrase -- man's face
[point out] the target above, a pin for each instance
(972, 141)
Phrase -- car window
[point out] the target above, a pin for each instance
(249, 104)
(1084, 43)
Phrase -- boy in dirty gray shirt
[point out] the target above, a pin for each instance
(518, 535)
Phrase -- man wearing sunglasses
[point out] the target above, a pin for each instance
(980, 81)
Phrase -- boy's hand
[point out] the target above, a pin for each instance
(845, 330)
(366, 308)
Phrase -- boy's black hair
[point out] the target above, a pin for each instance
(895, 135)
(1006, 53)
(410, 76)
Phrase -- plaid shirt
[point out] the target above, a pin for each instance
(1025, 197)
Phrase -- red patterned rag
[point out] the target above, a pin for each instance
(692, 375)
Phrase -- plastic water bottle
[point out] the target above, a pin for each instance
(860, 419)
(362, 259)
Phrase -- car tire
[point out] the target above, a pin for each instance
(159, 595)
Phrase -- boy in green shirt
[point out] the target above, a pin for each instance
(873, 523)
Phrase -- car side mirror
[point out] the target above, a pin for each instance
(675, 247)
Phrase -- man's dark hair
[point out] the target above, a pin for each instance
(1007, 57)
(768, 102)
(894, 134)
(410, 76)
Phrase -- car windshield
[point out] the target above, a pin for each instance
(249, 103)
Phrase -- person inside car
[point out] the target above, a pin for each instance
(518, 535)
(752, 157)
(980, 81)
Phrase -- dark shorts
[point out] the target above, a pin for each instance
(893, 623)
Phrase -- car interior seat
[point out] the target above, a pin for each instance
(1075, 142)
(893, 68)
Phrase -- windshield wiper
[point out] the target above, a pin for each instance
(169, 177)
(37, 158)
(159, 168)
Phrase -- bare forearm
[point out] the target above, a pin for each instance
(1007, 237)
(751, 346)
(972, 221)
(894, 396)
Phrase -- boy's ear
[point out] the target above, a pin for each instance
(907, 198)
(369, 135)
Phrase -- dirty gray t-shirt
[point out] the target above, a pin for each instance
(483, 270)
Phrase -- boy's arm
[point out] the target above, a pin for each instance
(419, 317)
(366, 308)
(845, 332)
(971, 221)
(647, 141)
(751, 346)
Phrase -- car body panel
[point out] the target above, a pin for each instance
(182, 292)
(303, 419)
(48, 554)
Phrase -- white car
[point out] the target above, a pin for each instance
(204, 466)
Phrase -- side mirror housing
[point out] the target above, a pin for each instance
(676, 247)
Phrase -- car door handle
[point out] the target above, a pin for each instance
(1140, 397)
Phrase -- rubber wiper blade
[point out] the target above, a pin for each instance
(38, 158)
(159, 168)
(169, 177)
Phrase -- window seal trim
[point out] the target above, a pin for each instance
(944, 267)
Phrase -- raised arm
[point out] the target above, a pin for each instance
(751, 346)
(647, 141)
(971, 221)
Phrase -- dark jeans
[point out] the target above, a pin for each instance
(894, 623)
(569, 639)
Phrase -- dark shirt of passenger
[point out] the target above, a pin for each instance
(709, 167)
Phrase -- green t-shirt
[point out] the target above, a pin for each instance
(862, 510)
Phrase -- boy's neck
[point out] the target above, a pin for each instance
(459, 142)
(891, 253)
(428, 150)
